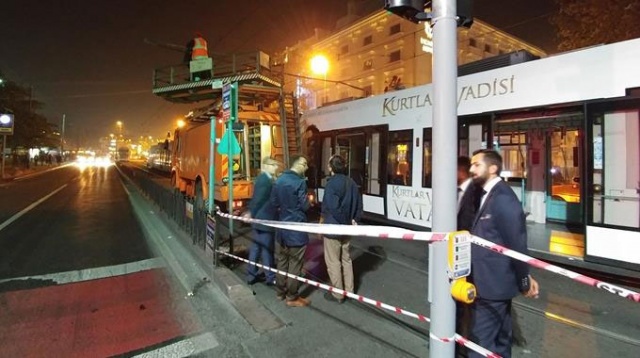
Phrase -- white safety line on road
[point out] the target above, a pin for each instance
(29, 208)
(38, 173)
(96, 273)
(185, 348)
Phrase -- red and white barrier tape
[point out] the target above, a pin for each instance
(386, 232)
(623, 292)
(458, 338)
(381, 232)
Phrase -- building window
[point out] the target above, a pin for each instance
(487, 48)
(344, 50)
(394, 56)
(394, 29)
(399, 158)
(367, 40)
(472, 43)
(367, 65)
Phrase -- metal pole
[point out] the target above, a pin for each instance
(212, 178)
(62, 137)
(445, 144)
(230, 182)
(233, 119)
(4, 141)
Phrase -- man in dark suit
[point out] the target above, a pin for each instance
(469, 195)
(263, 236)
(498, 278)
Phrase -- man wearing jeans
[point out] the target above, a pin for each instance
(260, 208)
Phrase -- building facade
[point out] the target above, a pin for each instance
(381, 52)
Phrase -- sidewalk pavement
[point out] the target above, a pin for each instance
(249, 321)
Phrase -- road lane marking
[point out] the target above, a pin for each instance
(29, 208)
(96, 273)
(185, 348)
(35, 174)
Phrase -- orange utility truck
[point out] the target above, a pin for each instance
(258, 132)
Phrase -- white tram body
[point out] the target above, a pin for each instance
(567, 127)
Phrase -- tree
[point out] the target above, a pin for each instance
(583, 23)
(31, 129)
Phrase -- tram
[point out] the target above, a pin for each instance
(159, 157)
(567, 127)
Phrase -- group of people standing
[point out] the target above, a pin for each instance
(487, 207)
(286, 199)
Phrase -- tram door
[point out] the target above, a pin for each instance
(563, 148)
(352, 147)
(362, 150)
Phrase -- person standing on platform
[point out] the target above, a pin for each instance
(289, 198)
(263, 236)
(498, 278)
(469, 195)
(341, 204)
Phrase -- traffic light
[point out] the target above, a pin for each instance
(6, 123)
(408, 9)
(413, 10)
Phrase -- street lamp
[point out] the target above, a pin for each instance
(180, 123)
(320, 65)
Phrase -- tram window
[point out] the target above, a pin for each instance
(427, 158)
(399, 157)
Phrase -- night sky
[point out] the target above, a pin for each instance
(88, 60)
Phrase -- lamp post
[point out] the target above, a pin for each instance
(119, 137)
(320, 66)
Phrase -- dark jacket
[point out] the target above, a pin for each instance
(502, 221)
(289, 199)
(260, 205)
(469, 206)
(342, 201)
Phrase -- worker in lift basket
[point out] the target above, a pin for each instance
(197, 50)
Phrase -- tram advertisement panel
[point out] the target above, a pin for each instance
(410, 205)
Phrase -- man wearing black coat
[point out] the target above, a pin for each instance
(260, 208)
(289, 198)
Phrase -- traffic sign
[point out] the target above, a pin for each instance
(226, 101)
(6, 124)
(229, 140)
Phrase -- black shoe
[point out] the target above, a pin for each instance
(330, 297)
(270, 283)
(255, 280)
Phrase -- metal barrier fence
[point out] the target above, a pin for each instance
(185, 213)
(182, 210)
